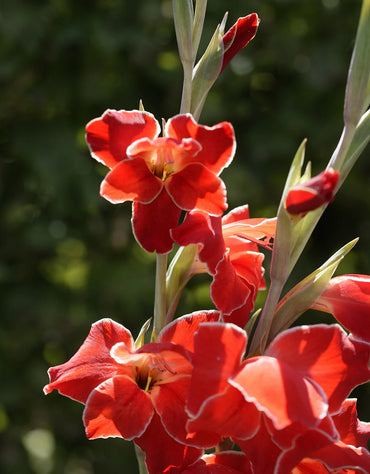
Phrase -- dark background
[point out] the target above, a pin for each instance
(67, 256)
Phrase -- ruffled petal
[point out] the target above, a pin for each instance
(130, 180)
(282, 393)
(347, 298)
(228, 290)
(92, 363)
(351, 429)
(152, 223)
(182, 330)
(218, 351)
(217, 142)
(196, 187)
(109, 135)
(162, 451)
(117, 408)
(225, 414)
(200, 228)
(326, 355)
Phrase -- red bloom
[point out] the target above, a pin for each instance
(228, 251)
(238, 36)
(137, 394)
(161, 175)
(313, 193)
(347, 298)
(304, 376)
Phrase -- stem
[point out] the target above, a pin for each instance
(160, 293)
(263, 328)
(140, 456)
(339, 155)
(186, 88)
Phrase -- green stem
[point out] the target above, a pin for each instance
(160, 293)
(340, 153)
(140, 456)
(186, 88)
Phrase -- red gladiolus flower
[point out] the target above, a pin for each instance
(161, 175)
(303, 377)
(123, 387)
(347, 298)
(238, 36)
(228, 251)
(312, 194)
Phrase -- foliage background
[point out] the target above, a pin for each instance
(67, 255)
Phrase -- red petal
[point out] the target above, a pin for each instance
(228, 290)
(347, 298)
(351, 429)
(92, 364)
(218, 351)
(169, 400)
(217, 142)
(258, 230)
(196, 187)
(182, 330)
(281, 392)
(237, 214)
(234, 461)
(326, 355)
(334, 455)
(260, 450)
(162, 451)
(117, 408)
(131, 180)
(199, 227)
(109, 135)
(152, 223)
(226, 414)
(178, 152)
(238, 36)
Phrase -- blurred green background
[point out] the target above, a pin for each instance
(67, 256)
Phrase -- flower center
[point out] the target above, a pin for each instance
(152, 370)
(162, 162)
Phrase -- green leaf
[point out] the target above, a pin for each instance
(305, 293)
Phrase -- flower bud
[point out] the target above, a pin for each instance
(312, 194)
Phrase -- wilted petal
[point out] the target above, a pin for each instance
(109, 135)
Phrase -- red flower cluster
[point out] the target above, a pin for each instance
(194, 387)
(161, 175)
